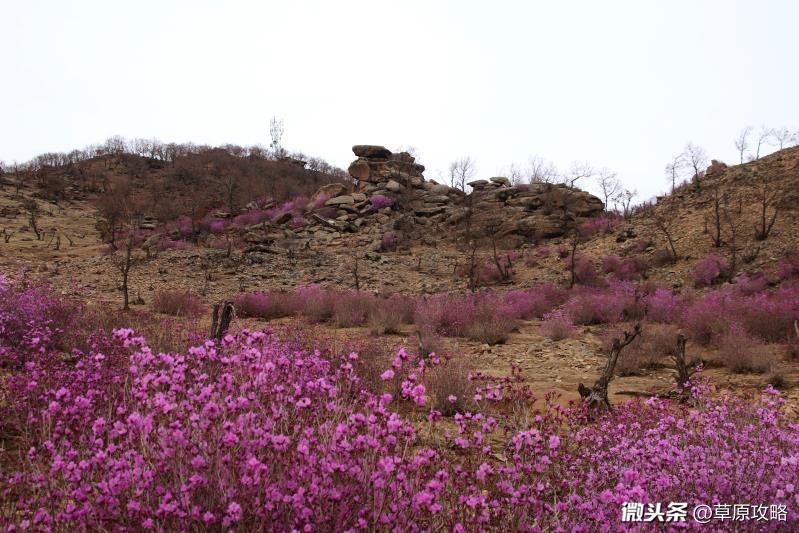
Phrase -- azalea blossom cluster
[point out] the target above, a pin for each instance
(256, 432)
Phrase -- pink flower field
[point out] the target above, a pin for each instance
(259, 433)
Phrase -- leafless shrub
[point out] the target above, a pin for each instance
(384, 318)
(741, 353)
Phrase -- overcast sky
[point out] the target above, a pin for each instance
(619, 84)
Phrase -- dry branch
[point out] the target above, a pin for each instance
(597, 396)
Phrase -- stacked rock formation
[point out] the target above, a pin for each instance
(390, 194)
(378, 172)
(536, 210)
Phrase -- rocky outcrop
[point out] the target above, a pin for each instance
(391, 194)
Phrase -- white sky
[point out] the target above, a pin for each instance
(618, 84)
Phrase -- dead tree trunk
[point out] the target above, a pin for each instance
(220, 324)
(597, 396)
(683, 375)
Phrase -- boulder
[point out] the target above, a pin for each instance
(541, 226)
(359, 197)
(340, 200)
(477, 184)
(359, 169)
(393, 186)
(438, 199)
(439, 188)
(500, 180)
(371, 151)
(331, 190)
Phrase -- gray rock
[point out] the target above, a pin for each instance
(477, 184)
(331, 189)
(393, 186)
(428, 211)
(438, 199)
(340, 200)
(501, 180)
(371, 151)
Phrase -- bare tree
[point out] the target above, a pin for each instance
(609, 185)
(768, 196)
(782, 137)
(674, 170)
(114, 207)
(733, 217)
(763, 137)
(515, 174)
(625, 198)
(664, 221)
(696, 158)
(461, 171)
(577, 171)
(276, 134)
(124, 260)
(719, 200)
(742, 142)
(492, 228)
(32, 208)
(573, 257)
(683, 374)
(540, 171)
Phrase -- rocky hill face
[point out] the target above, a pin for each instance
(391, 195)
(723, 212)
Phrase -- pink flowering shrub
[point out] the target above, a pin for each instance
(663, 305)
(708, 317)
(708, 269)
(32, 320)
(611, 264)
(298, 222)
(257, 433)
(534, 302)
(584, 271)
(379, 201)
(252, 217)
(489, 272)
(557, 326)
(252, 434)
(389, 241)
(605, 223)
(184, 226)
(788, 267)
(602, 305)
(217, 226)
(481, 317)
(749, 285)
(320, 201)
(178, 302)
(269, 305)
(765, 316)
